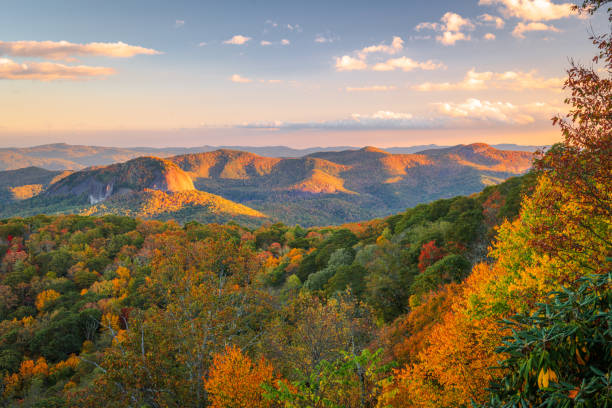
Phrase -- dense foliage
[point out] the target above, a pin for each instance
(142, 310)
(420, 309)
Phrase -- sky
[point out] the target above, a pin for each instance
(294, 73)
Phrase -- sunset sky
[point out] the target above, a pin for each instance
(296, 73)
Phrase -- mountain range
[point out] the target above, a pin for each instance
(61, 156)
(325, 187)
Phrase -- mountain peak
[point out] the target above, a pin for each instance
(372, 149)
(135, 175)
(479, 146)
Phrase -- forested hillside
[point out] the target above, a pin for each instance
(146, 187)
(73, 286)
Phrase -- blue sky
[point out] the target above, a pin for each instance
(285, 72)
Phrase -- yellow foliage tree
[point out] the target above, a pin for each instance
(45, 297)
(111, 322)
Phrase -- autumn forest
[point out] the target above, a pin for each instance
(501, 298)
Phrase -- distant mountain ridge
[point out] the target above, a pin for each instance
(320, 188)
(61, 156)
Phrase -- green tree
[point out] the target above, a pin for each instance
(561, 354)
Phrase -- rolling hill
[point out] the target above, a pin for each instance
(147, 187)
(317, 189)
(350, 185)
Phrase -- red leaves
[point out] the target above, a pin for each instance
(430, 253)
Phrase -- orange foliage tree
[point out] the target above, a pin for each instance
(235, 381)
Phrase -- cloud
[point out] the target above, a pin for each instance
(476, 110)
(451, 27)
(64, 50)
(531, 10)
(454, 22)
(372, 88)
(202, 44)
(521, 28)
(322, 39)
(240, 79)
(348, 63)
(397, 44)
(277, 25)
(489, 36)
(359, 61)
(285, 41)
(511, 80)
(378, 120)
(179, 23)
(450, 37)
(487, 19)
(446, 115)
(264, 43)
(428, 26)
(407, 64)
(49, 71)
(238, 40)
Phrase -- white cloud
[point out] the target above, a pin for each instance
(378, 120)
(348, 63)
(450, 37)
(322, 39)
(179, 23)
(382, 115)
(240, 79)
(490, 20)
(238, 40)
(500, 112)
(265, 43)
(202, 44)
(407, 64)
(359, 62)
(489, 36)
(521, 28)
(372, 88)
(510, 80)
(397, 44)
(64, 50)
(531, 10)
(449, 115)
(428, 26)
(278, 26)
(49, 71)
(454, 22)
(452, 26)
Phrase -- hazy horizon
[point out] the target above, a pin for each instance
(305, 147)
